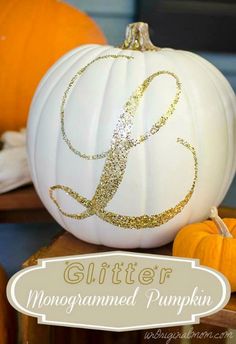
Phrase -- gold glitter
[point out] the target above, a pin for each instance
(116, 160)
(64, 100)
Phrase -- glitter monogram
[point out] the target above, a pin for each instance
(117, 156)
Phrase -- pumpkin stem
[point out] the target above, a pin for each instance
(137, 38)
(220, 223)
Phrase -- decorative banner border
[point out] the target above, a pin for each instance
(118, 291)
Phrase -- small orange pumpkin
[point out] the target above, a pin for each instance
(7, 314)
(212, 242)
(33, 35)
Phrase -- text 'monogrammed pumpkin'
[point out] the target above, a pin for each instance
(127, 145)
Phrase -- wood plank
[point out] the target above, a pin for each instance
(19, 199)
(224, 318)
(66, 245)
(26, 216)
(31, 332)
(23, 206)
(227, 212)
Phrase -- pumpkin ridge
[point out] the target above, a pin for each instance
(208, 224)
(216, 250)
(103, 53)
(224, 84)
(55, 84)
(145, 149)
(76, 79)
(141, 235)
(233, 232)
(231, 226)
(205, 226)
(220, 255)
(227, 164)
(20, 61)
(187, 231)
(221, 261)
(194, 253)
(194, 128)
(35, 99)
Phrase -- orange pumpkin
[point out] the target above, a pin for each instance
(212, 242)
(33, 35)
(7, 314)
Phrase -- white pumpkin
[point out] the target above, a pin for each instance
(127, 145)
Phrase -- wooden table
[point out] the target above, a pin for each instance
(23, 205)
(65, 245)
